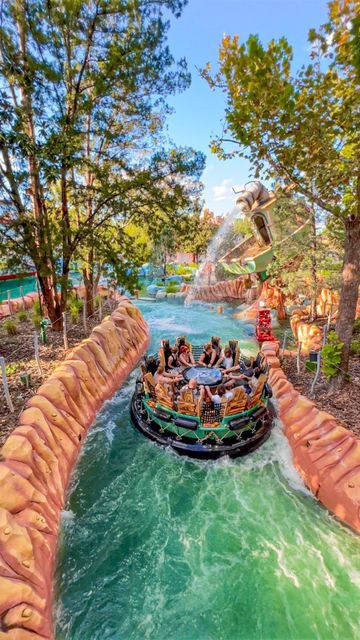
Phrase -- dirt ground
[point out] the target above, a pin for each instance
(18, 351)
(344, 405)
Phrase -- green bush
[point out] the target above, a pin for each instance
(356, 327)
(21, 316)
(36, 319)
(36, 307)
(75, 306)
(13, 367)
(355, 347)
(10, 327)
(183, 269)
(331, 356)
(172, 288)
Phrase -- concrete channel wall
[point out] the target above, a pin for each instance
(326, 455)
(37, 460)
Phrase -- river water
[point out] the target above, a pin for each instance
(158, 547)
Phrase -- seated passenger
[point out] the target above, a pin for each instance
(227, 361)
(151, 365)
(165, 377)
(216, 345)
(208, 356)
(167, 351)
(222, 394)
(197, 390)
(246, 379)
(185, 358)
(173, 360)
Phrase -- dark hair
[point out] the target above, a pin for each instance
(221, 390)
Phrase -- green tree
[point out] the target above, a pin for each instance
(304, 258)
(303, 130)
(82, 101)
(196, 235)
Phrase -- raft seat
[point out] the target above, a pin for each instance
(163, 396)
(187, 408)
(237, 404)
(255, 397)
(149, 385)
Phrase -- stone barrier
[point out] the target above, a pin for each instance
(37, 460)
(326, 455)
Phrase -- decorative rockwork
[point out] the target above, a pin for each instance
(37, 460)
(326, 455)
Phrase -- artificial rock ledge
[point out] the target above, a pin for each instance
(326, 455)
(37, 460)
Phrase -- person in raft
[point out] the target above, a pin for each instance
(227, 361)
(185, 358)
(222, 395)
(173, 360)
(198, 391)
(208, 356)
(163, 377)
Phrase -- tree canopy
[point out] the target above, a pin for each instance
(302, 130)
(83, 88)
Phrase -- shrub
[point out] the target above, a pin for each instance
(75, 306)
(355, 347)
(356, 327)
(183, 269)
(10, 327)
(21, 316)
(36, 319)
(172, 288)
(331, 356)
(36, 307)
(13, 367)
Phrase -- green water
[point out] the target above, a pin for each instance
(14, 285)
(158, 547)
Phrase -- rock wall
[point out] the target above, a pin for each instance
(221, 291)
(326, 455)
(37, 460)
(26, 302)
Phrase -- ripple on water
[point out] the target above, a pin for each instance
(160, 547)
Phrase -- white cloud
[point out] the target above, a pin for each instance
(223, 190)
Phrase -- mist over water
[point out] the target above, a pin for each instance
(159, 547)
(213, 253)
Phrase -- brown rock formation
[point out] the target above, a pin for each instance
(326, 455)
(26, 302)
(37, 460)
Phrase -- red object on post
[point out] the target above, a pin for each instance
(263, 329)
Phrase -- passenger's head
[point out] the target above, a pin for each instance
(193, 383)
(208, 347)
(228, 353)
(221, 390)
(174, 350)
(184, 349)
(160, 369)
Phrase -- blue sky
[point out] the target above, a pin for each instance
(199, 111)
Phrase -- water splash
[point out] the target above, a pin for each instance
(206, 272)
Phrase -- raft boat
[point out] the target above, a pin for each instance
(234, 428)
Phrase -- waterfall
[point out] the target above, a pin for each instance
(206, 273)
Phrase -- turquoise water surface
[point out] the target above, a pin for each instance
(159, 547)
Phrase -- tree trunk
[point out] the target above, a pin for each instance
(51, 301)
(349, 292)
(88, 277)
